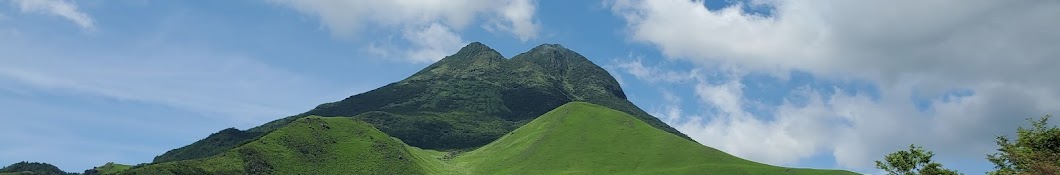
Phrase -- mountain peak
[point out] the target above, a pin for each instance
(555, 57)
(471, 61)
(547, 46)
(476, 44)
(553, 51)
(475, 48)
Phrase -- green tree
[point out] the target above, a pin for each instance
(915, 161)
(1036, 150)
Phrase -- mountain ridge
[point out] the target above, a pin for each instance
(462, 101)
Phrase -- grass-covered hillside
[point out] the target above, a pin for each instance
(576, 138)
(109, 168)
(583, 138)
(465, 100)
(310, 145)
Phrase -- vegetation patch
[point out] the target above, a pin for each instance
(311, 145)
(576, 138)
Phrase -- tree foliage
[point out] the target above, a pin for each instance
(32, 168)
(1036, 150)
(915, 161)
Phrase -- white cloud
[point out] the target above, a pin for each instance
(518, 18)
(433, 43)
(998, 50)
(60, 8)
(347, 17)
(74, 101)
(726, 125)
(653, 74)
(794, 133)
(952, 40)
(57, 92)
(437, 20)
(854, 128)
(425, 44)
(670, 112)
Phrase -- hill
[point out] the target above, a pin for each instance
(583, 138)
(32, 168)
(308, 145)
(109, 168)
(463, 101)
(576, 138)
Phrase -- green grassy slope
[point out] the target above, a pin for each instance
(112, 168)
(311, 145)
(575, 138)
(583, 138)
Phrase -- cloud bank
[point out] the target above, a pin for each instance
(979, 67)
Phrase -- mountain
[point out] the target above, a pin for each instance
(545, 111)
(575, 138)
(463, 101)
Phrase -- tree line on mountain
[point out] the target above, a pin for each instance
(1035, 151)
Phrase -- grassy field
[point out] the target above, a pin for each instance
(576, 138)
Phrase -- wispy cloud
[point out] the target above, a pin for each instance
(852, 126)
(224, 85)
(516, 17)
(426, 44)
(653, 73)
(150, 85)
(181, 92)
(60, 8)
(943, 49)
(429, 27)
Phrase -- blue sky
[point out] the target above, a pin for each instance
(823, 84)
